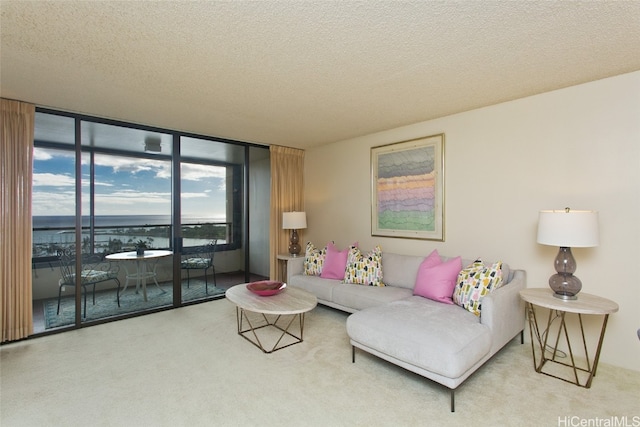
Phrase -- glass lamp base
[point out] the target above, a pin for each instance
(294, 247)
(565, 286)
(566, 297)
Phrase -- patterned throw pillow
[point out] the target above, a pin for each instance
(314, 260)
(364, 269)
(474, 283)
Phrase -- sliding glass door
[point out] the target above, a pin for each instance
(207, 223)
(104, 190)
(53, 210)
(215, 216)
(126, 207)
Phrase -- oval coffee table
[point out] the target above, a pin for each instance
(291, 302)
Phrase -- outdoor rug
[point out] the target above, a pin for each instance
(107, 306)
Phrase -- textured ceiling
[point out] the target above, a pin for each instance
(304, 73)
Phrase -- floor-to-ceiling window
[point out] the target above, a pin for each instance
(104, 189)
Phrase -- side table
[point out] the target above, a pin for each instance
(283, 260)
(558, 308)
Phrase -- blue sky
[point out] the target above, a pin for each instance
(125, 186)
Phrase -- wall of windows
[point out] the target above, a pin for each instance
(103, 187)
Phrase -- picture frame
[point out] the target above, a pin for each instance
(407, 189)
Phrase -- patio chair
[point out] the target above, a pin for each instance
(200, 258)
(93, 271)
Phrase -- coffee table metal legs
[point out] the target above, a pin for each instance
(250, 333)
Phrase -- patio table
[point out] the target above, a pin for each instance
(142, 272)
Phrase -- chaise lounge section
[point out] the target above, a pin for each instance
(443, 342)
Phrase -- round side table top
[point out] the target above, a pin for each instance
(126, 256)
(585, 304)
(289, 301)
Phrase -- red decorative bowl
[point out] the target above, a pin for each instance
(266, 288)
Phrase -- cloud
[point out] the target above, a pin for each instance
(132, 165)
(126, 186)
(42, 154)
(53, 203)
(161, 169)
(193, 172)
(61, 180)
(53, 180)
(86, 178)
(131, 199)
(193, 195)
(137, 195)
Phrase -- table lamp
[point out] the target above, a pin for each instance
(294, 221)
(567, 228)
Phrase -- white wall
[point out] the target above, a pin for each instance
(576, 147)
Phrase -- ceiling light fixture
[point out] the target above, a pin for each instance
(152, 144)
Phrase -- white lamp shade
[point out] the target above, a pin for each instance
(294, 220)
(568, 228)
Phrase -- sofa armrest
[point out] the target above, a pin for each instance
(503, 311)
(295, 266)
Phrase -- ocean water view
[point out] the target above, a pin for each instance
(122, 232)
(68, 221)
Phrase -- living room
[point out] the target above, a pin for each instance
(574, 144)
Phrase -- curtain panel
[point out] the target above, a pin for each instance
(16, 154)
(287, 195)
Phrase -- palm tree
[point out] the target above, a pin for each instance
(86, 245)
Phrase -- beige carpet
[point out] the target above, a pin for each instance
(188, 367)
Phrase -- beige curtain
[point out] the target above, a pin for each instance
(287, 195)
(16, 152)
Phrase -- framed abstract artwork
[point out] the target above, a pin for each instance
(407, 189)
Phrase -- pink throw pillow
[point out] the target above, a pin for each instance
(335, 262)
(438, 282)
(431, 260)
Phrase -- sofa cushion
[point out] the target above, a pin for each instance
(437, 282)
(364, 269)
(314, 260)
(192, 263)
(441, 338)
(474, 283)
(360, 297)
(335, 262)
(400, 270)
(321, 288)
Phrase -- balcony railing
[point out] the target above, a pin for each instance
(104, 240)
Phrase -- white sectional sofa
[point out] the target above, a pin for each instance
(442, 342)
